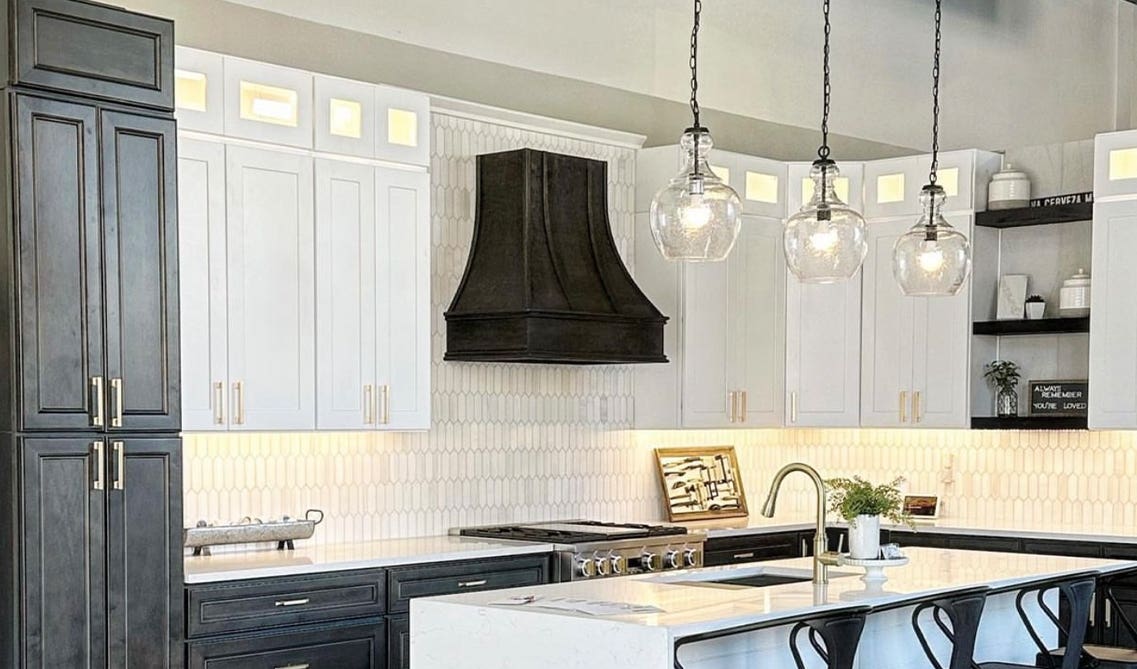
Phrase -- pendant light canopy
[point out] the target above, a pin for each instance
(933, 259)
(696, 216)
(825, 241)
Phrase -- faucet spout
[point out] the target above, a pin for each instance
(822, 557)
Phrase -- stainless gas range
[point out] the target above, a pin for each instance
(590, 549)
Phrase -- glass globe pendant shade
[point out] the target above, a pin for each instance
(696, 216)
(933, 259)
(825, 241)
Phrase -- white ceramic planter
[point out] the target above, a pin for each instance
(864, 538)
(1035, 310)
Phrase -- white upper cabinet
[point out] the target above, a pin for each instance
(1115, 164)
(402, 126)
(201, 281)
(892, 187)
(345, 117)
(758, 307)
(268, 103)
(823, 326)
(271, 290)
(199, 90)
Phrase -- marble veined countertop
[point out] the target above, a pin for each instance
(1123, 533)
(341, 557)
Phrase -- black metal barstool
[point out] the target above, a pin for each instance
(957, 616)
(834, 636)
(1101, 656)
(1075, 592)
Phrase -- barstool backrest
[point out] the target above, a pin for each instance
(1077, 592)
(963, 611)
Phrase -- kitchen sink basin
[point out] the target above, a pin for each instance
(759, 580)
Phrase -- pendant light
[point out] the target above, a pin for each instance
(825, 241)
(696, 216)
(933, 259)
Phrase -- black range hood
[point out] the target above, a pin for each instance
(544, 282)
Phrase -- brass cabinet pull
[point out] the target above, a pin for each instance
(793, 407)
(1108, 612)
(742, 407)
(119, 451)
(742, 556)
(472, 584)
(386, 404)
(97, 410)
(219, 403)
(730, 405)
(116, 389)
(295, 666)
(917, 414)
(804, 548)
(368, 404)
(239, 403)
(293, 602)
(903, 406)
(100, 465)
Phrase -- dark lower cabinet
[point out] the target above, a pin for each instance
(102, 570)
(720, 551)
(355, 645)
(399, 642)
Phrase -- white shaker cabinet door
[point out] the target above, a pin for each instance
(887, 336)
(757, 312)
(201, 282)
(1113, 317)
(941, 354)
(271, 260)
(346, 389)
(708, 354)
(823, 353)
(403, 298)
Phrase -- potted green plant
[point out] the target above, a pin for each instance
(1003, 376)
(862, 504)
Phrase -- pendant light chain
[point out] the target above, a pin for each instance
(936, 100)
(694, 63)
(823, 151)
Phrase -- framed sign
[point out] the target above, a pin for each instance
(701, 483)
(1059, 398)
(922, 507)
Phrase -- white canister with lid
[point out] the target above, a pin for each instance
(1074, 297)
(1009, 189)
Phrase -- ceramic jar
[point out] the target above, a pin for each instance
(864, 537)
(1074, 297)
(1009, 189)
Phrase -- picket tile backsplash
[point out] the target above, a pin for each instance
(534, 442)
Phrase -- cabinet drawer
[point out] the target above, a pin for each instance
(358, 645)
(95, 50)
(399, 642)
(1067, 548)
(448, 579)
(255, 605)
(920, 539)
(996, 544)
(752, 554)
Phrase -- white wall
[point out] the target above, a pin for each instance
(1016, 72)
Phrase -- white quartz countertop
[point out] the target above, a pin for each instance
(341, 557)
(691, 603)
(1122, 533)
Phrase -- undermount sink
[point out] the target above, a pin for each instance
(758, 580)
(740, 577)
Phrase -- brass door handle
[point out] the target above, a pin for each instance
(368, 404)
(743, 408)
(97, 418)
(116, 389)
(119, 474)
(100, 466)
(917, 413)
(295, 666)
(219, 403)
(386, 404)
(903, 406)
(239, 403)
(793, 406)
(732, 405)
(472, 584)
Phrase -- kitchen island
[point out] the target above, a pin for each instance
(492, 631)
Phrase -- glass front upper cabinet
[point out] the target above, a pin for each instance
(199, 96)
(402, 122)
(345, 116)
(268, 103)
(1115, 164)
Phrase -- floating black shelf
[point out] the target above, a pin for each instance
(1024, 216)
(1038, 326)
(1029, 423)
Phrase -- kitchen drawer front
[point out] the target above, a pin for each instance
(358, 645)
(1120, 552)
(920, 539)
(754, 548)
(94, 50)
(405, 584)
(1066, 548)
(399, 642)
(994, 544)
(256, 605)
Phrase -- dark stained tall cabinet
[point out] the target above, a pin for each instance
(90, 457)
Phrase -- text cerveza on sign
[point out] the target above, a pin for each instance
(1059, 398)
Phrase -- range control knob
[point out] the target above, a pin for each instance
(651, 561)
(618, 563)
(672, 560)
(585, 567)
(603, 565)
(691, 557)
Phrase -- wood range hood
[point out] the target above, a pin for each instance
(544, 282)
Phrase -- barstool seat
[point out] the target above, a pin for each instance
(1104, 657)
